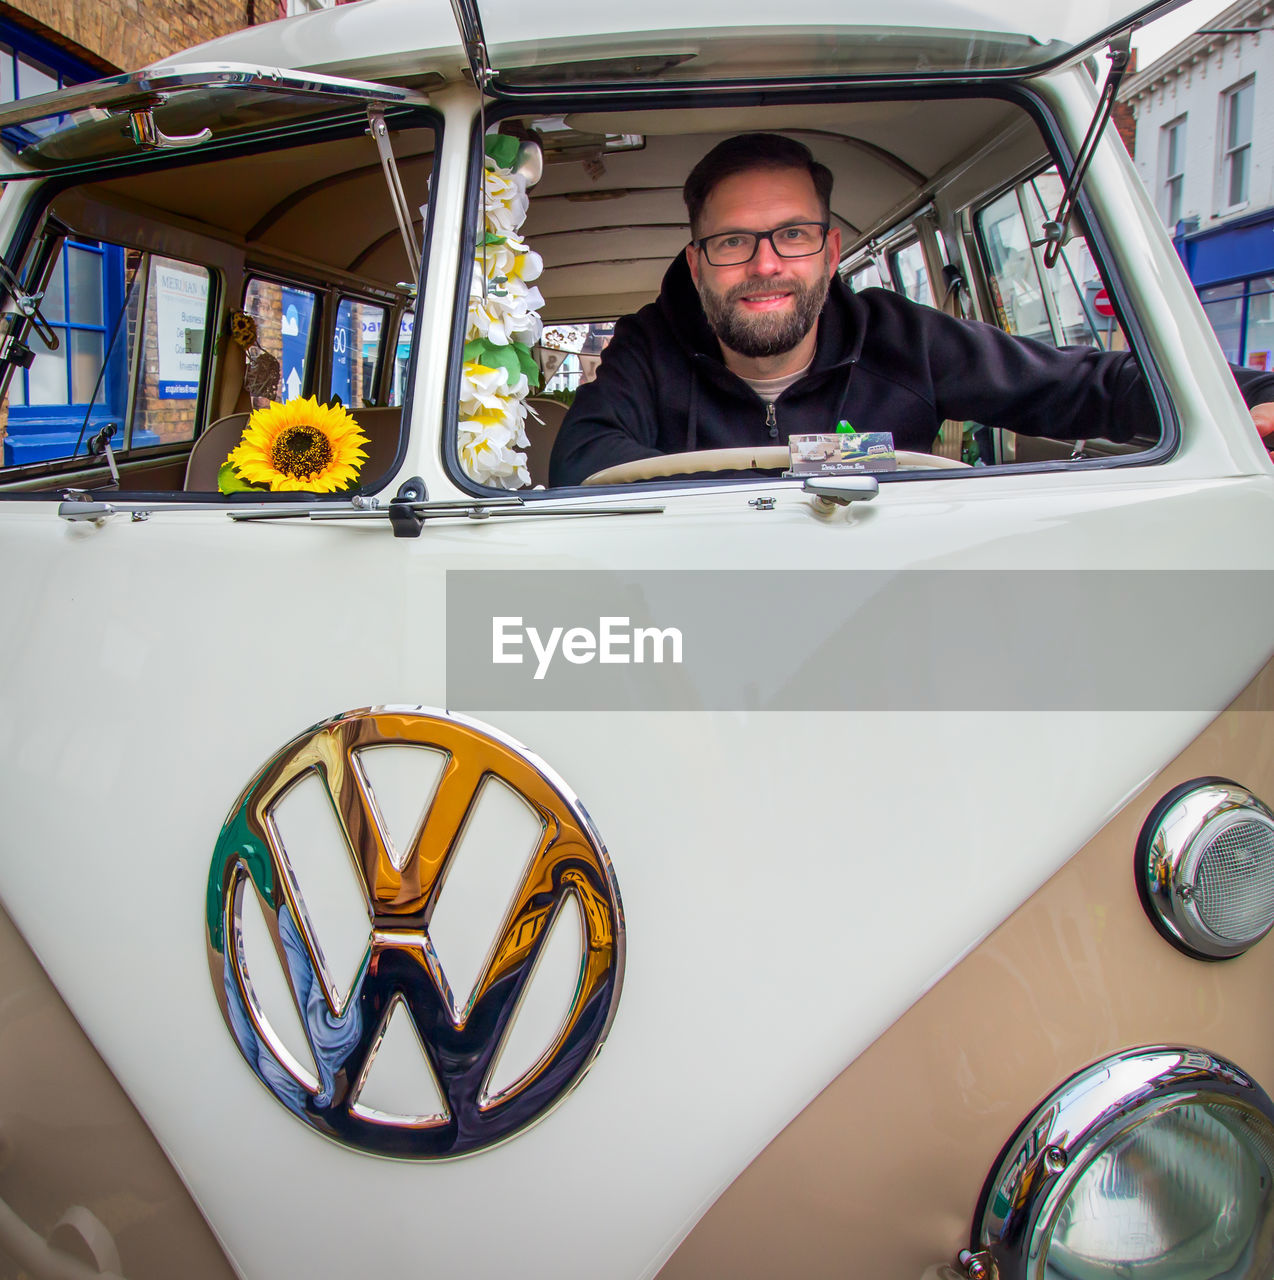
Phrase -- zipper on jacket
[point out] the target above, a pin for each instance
(771, 420)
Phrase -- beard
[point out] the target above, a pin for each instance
(772, 333)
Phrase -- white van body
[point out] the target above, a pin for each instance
(859, 944)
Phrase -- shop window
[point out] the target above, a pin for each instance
(1258, 342)
(1224, 307)
(1242, 317)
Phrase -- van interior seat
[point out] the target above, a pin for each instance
(541, 435)
(382, 426)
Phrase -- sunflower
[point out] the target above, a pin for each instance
(300, 445)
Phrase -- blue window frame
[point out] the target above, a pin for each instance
(67, 394)
(48, 402)
(30, 66)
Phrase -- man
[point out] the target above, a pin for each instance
(755, 338)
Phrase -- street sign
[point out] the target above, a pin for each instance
(1102, 304)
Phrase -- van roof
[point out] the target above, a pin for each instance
(669, 40)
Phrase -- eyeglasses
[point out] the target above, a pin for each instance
(733, 248)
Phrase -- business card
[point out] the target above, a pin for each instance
(844, 453)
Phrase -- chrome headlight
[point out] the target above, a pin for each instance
(1205, 868)
(1155, 1164)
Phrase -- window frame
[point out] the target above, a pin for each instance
(1230, 151)
(33, 231)
(125, 367)
(342, 295)
(312, 358)
(1036, 108)
(1172, 177)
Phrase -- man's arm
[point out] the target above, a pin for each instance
(1068, 393)
(613, 419)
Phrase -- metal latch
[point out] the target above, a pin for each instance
(146, 134)
(79, 509)
(831, 492)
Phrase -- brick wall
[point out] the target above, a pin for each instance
(126, 34)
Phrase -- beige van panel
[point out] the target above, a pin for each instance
(74, 1150)
(879, 1175)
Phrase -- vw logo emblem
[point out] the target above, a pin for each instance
(399, 966)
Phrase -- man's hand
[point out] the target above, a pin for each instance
(1263, 416)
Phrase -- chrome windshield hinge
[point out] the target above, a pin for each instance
(1120, 50)
(27, 308)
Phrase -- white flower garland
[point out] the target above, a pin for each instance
(499, 369)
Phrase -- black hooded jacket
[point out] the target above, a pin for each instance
(882, 363)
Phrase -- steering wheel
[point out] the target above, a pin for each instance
(771, 457)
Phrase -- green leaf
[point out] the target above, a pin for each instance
(504, 358)
(491, 238)
(230, 481)
(528, 364)
(502, 149)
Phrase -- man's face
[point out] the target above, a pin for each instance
(764, 307)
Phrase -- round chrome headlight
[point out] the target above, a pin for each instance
(1205, 868)
(1155, 1164)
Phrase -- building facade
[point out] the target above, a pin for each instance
(1208, 163)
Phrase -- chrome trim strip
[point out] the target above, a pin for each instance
(112, 91)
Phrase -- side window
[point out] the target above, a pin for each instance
(1011, 274)
(129, 329)
(284, 316)
(174, 329)
(866, 277)
(357, 342)
(401, 354)
(1065, 304)
(908, 266)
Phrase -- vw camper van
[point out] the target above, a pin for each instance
(730, 866)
